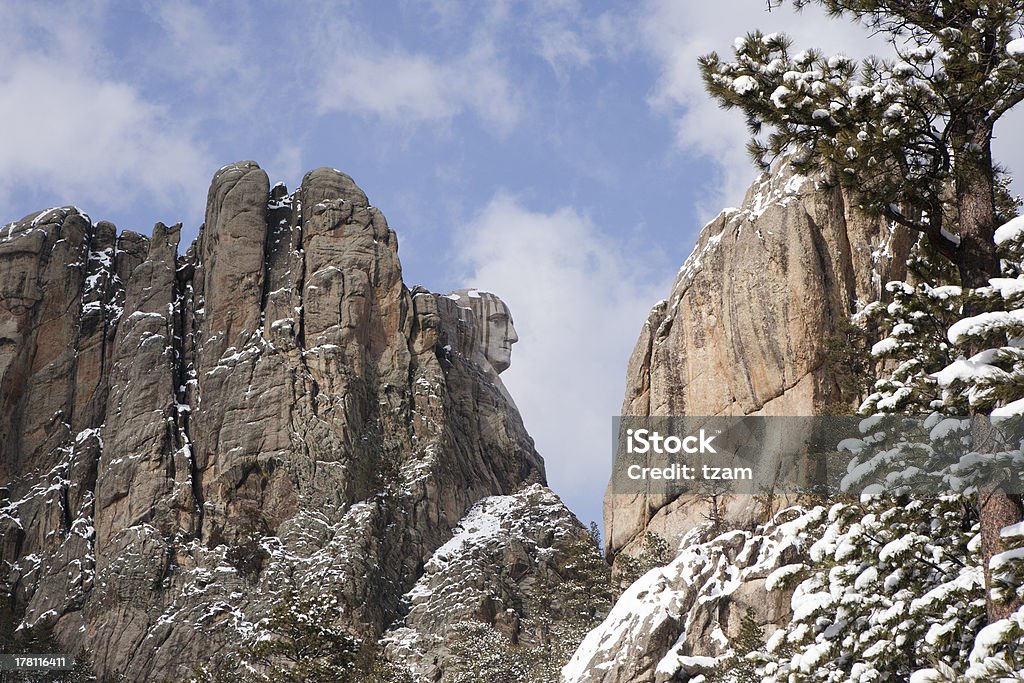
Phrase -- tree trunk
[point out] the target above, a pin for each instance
(996, 509)
(978, 262)
(976, 208)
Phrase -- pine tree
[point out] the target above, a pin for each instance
(584, 595)
(380, 670)
(911, 134)
(41, 641)
(301, 640)
(893, 588)
(481, 654)
(941, 359)
(741, 664)
(557, 612)
(653, 553)
(912, 329)
(883, 590)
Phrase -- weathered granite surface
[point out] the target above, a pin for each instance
(746, 325)
(501, 568)
(745, 331)
(183, 437)
(671, 623)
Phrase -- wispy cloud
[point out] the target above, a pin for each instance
(83, 135)
(578, 309)
(399, 86)
(563, 36)
(198, 50)
(469, 69)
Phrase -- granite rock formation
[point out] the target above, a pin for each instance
(745, 331)
(746, 326)
(669, 624)
(497, 333)
(500, 568)
(184, 437)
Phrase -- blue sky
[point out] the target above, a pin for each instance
(561, 154)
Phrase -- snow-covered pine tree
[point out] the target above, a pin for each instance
(302, 640)
(940, 359)
(558, 613)
(911, 327)
(911, 134)
(931, 362)
(480, 653)
(894, 588)
(654, 552)
(989, 374)
(902, 131)
(891, 590)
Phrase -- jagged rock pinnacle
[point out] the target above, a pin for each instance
(184, 437)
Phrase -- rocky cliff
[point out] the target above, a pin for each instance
(502, 567)
(186, 438)
(747, 325)
(745, 331)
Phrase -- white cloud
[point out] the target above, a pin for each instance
(579, 304)
(403, 87)
(562, 34)
(196, 50)
(562, 48)
(71, 132)
(675, 34)
(473, 67)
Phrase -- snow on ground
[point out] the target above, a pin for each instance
(686, 594)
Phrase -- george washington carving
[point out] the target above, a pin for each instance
(495, 333)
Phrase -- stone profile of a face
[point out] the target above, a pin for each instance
(495, 333)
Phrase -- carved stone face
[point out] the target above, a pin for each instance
(499, 335)
(494, 329)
